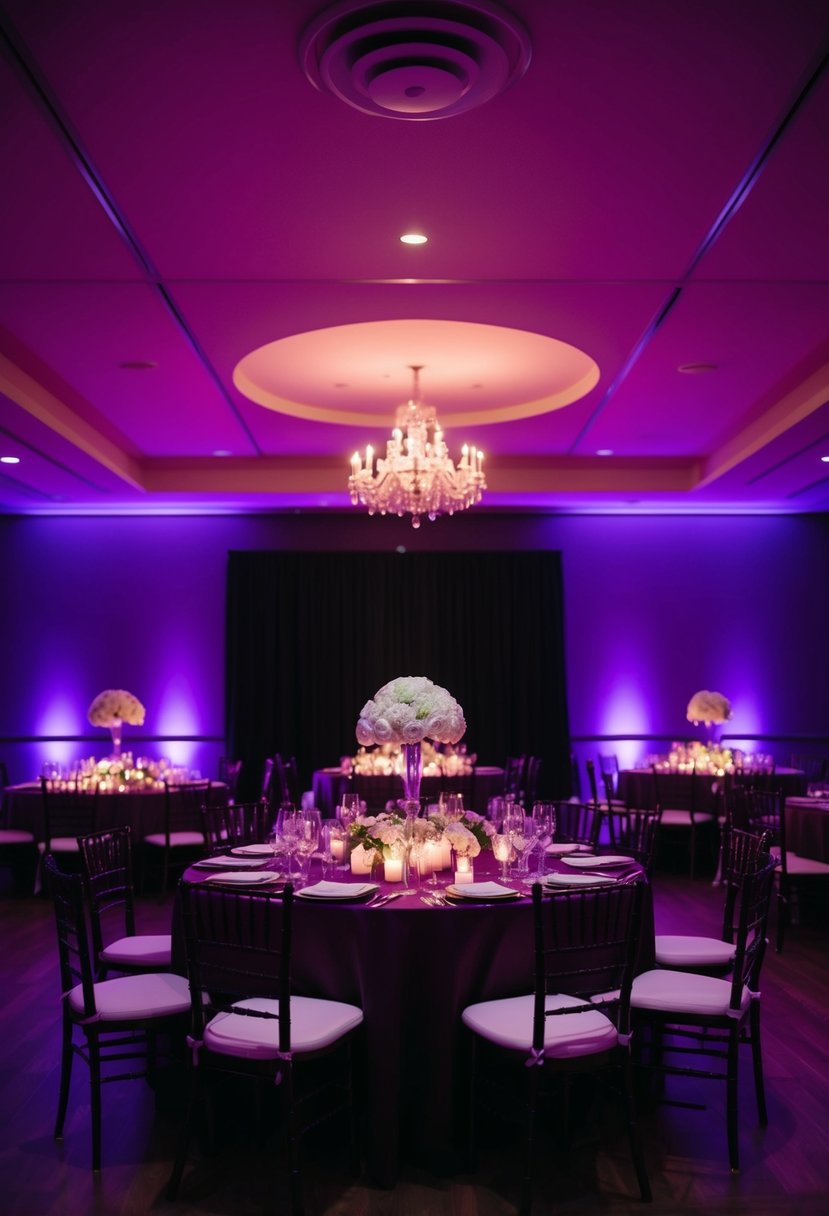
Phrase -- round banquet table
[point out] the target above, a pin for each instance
(412, 969)
(142, 810)
(329, 785)
(807, 827)
(636, 787)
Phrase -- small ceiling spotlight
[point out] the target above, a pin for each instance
(9, 460)
(414, 238)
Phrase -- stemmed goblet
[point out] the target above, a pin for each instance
(544, 829)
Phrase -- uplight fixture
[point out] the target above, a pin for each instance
(417, 476)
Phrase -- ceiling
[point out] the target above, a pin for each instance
(653, 191)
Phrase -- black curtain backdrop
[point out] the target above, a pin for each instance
(311, 636)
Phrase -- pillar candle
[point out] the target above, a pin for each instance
(361, 860)
(394, 870)
(338, 849)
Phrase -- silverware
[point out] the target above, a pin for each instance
(385, 899)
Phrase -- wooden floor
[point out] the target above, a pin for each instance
(784, 1168)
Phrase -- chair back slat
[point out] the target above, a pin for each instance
(754, 900)
(635, 832)
(238, 946)
(67, 812)
(66, 891)
(238, 823)
(578, 823)
(106, 866)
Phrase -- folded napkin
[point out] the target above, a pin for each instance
(578, 880)
(596, 863)
(255, 878)
(482, 890)
(228, 863)
(338, 890)
(252, 850)
(558, 850)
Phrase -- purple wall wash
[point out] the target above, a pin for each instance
(656, 607)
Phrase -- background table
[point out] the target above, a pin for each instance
(331, 783)
(413, 969)
(142, 811)
(636, 787)
(807, 827)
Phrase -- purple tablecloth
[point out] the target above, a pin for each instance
(413, 969)
(329, 784)
(143, 812)
(807, 828)
(636, 787)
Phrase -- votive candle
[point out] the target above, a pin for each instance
(394, 869)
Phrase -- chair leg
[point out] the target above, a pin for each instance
(693, 852)
(297, 1207)
(757, 1059)
(782, 914)
(184, 1138)
(634, 1131)
(471, 1122)
(532, 1083)
(95, 1099)
(731, 1101)
(65, 1076)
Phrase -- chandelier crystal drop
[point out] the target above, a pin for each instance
(417, 476)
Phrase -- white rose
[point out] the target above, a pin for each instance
(382, 730)
(412, 731)
(365, 734)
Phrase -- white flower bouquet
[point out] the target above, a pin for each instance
(114, 705)
(712, 708)
(409, 710)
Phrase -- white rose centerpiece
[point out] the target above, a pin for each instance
(712, 708)
(407, 711)
(112, 707)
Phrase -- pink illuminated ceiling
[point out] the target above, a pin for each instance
(653, 192)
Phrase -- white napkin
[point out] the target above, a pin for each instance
(558, 850)
(482, 890)
(338, 890)
(234, 876)
(226, 863)
(591, 863)
(252, 850)
(578, 880)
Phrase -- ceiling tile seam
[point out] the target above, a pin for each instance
(23, 61)
(736, 199)
(820, 442)
(52, 460)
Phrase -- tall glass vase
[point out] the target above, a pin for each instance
(412, 771)
(115, 731)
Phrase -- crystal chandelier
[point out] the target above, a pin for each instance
(417, 475)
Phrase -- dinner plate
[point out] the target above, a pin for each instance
(559, 850)
(243, 879)
(481, 891)
(227, 863)
(578, 880)
(252, 850)
(594, 863)
(338, 891)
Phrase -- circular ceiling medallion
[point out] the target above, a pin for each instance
(412, 60)
(356, 375)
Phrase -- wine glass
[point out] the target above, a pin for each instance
(544, 827)
(289, 827)
(502, 851)
(307, 840)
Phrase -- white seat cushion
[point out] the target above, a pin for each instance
(315, 1024)
(15, 836)
(133, 997)
(177, 839)
(509, 1023)
(684, 992)
(795, 864)
(693, 952)
(680, 818)
(152, 950)
(59, 844)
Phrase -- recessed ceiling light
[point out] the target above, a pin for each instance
(825, 459)
(696, 369)
(9, 460)
(604, 452)
(414, 238)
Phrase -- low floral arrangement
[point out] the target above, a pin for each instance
(387, 759)
(409, 710)
(115, 705)
(712, 708)
(385, 834)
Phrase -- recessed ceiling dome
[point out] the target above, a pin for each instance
(414, 61)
